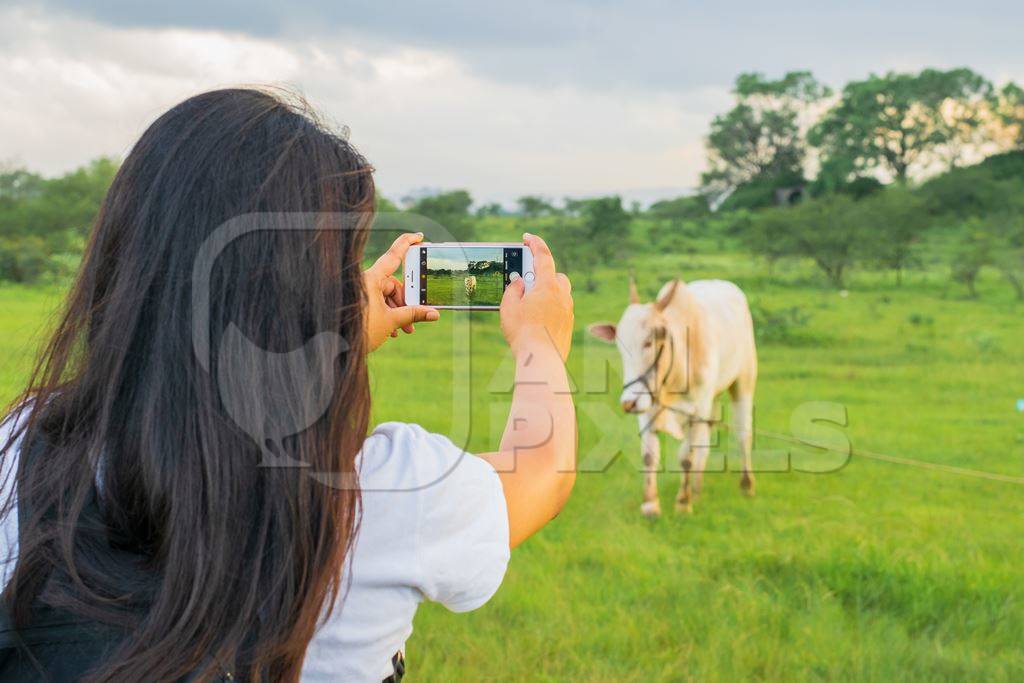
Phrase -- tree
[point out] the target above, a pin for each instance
(576, 254)
(31, 205)
(891, 224)
(679, 209)
(962, 110)
(44, 221)
(489, 209)
(607, 227)
(17, 186)
(1009, 253)
(381, 237)
(532, 206)
(768, 235)
(972, 253)
(24, 259)
(761, 137)
(573, 207)
(824, 230)
(675, 222)
(1009, 109)
(450, 210)
(1007, 234)
(900, 121)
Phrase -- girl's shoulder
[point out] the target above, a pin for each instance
(403, 456)
(446, 503)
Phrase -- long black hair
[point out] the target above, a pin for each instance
(234, 563)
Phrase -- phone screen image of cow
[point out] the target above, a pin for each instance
(465, 276)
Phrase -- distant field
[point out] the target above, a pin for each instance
(875, 572)
(450, 290)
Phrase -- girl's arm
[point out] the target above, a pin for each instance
(537, 460)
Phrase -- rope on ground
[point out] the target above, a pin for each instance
(899, 460)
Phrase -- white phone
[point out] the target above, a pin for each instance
(464, 275)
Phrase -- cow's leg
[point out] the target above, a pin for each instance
(743, 424)
(684, 501)
(700, 433)
(650, 449)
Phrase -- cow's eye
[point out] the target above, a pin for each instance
(648, 344)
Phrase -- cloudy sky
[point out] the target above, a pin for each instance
(504, 99)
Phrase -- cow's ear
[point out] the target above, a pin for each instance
(603, 331)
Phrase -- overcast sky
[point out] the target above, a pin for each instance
(552, 98)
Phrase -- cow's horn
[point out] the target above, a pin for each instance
(634, 296)
(663, 301)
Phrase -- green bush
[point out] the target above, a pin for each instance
(861, 187)
(785, 326)
(965, 192)
(23, 259)
(680, 209)
(1005, 166)
(759, 193)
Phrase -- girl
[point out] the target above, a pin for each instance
(187, 515)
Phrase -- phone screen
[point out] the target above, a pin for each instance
(467, 275)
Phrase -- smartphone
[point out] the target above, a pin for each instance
(464, 275)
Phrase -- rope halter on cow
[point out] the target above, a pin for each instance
(643, 377)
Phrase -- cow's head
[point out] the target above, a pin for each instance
(643, 339)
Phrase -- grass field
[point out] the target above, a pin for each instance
(874, 572)
(450, 290)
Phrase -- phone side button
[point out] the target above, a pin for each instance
(529, 277)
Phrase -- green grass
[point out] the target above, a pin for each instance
(25, 316)
(874, 572)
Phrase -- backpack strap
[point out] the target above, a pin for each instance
(57, 645)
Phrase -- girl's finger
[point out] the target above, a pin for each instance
(391, 259)
(397, 296)
(407, 315)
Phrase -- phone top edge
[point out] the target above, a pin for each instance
(463, 308)
(470, 244)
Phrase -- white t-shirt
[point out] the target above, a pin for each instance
(434, 526)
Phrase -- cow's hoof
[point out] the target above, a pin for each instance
(650, 508)
(684, 506)
(747, 486)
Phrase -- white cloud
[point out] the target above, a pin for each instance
(584, 99)
(74, 89)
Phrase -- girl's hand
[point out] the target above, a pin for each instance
(386, 310)
(545, 315)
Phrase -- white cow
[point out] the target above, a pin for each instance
(470, 284)
(678, 353)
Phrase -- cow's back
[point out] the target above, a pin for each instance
(730, 328)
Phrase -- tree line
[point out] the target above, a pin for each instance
(863, 175)
(893, 127)
(849, 178)
(44, 221)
